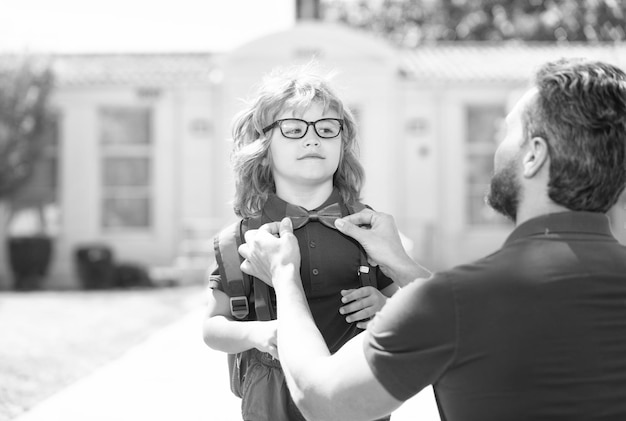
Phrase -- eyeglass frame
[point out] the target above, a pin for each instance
(308, 123)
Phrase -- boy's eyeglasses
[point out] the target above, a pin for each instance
(294, 128)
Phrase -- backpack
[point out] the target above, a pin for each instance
(245, 291)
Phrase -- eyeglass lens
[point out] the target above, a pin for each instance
(296, 129)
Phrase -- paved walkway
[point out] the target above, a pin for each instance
(170, 376)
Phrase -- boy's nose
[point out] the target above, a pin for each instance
(311, 138)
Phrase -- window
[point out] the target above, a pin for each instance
(484, 123)
(125, 137)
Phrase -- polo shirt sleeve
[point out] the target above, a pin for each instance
(412, 341)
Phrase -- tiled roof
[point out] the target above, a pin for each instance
(132, 69)
(444, 62)
(503, 62)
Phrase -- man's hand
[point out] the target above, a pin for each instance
(382, 244)
(269, 249)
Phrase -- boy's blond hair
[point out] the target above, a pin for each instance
(294, 88)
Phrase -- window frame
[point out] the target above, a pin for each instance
(481, 149)
(127, 150)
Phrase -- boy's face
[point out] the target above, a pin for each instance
(306, 162)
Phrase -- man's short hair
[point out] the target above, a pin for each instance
(580, 111)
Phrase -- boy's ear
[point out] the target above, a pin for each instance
(535, 157)
(266, 161)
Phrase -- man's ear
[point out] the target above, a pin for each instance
(535, 156)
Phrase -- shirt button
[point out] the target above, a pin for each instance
(312, 244)
(315, 271)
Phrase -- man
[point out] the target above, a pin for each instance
(534, 331)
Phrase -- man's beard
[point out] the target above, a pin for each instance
(504, 191)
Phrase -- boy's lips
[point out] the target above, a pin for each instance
(311, 155)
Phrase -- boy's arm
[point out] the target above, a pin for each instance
(224, 334)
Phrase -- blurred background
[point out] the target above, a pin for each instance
(125, 157)
(115, 124)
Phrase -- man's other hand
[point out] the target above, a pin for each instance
(268, 249)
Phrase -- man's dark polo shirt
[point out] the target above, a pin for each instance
(534, 331)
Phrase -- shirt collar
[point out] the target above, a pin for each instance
(275, 207)
(561, 223)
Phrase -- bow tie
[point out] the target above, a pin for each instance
(300, 216)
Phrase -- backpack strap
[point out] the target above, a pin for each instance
(263, 306)
(238, 285)
(235, 283)
(367, 272)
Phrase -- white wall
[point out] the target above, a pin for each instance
(197, 143)
(421, 189)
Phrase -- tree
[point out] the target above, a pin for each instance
(409, 23)
(25, 87)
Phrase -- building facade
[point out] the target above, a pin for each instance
(141, 160)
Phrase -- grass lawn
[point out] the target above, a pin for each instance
(51, 339)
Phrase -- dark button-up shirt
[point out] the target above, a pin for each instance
(330, 263)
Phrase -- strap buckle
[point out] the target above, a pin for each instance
(239, 307)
